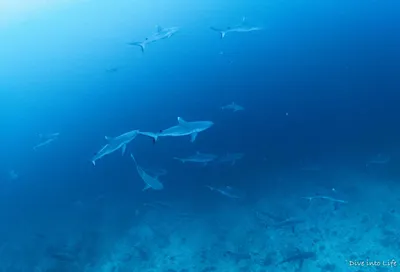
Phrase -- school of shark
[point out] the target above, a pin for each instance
(181, 128)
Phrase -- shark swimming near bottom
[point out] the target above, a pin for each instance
(46, 139)
(183, 128)
(233, 106)
(160, 34)
(242, 27)
(198, 158)
(114, 144)
(150, 181)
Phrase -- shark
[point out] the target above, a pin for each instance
(46, 139)
(380, 159)
(115, 143)
(183, 128)
(227, 191)
(156, 172)
(150, 181)
(198, 158)
(233, 106)
(242, 27)
(230, 158)
(160, 34)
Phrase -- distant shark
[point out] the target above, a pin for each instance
(115, 144)
(160, 34)
(183, 128)
(46, 139)
(230, 158)
(380, 159)
(233, 106)
(227, 191)
(199, 158)
(243, 27)
(151, 182)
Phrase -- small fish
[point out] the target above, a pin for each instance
(115, 144)
(46, 139)
(227, 191)
(183, 128)
(160, 34)
(233, 106)
(151, 182)
(239, 28)
(198, 158)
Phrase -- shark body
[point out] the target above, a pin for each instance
(230, 158)
(183, 128)
(380, 159)
(233, 106)
(227, 191)
(114, 144)
(150, 181)
(243, 27)
(160, 34)
(46, 139)
(198, 158)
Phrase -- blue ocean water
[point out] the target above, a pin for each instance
(315, 186)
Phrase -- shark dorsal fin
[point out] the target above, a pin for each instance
(159, 28)
(243, 20)
(181, 121)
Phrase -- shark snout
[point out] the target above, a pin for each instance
(209, 124)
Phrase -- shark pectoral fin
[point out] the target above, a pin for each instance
(108, 138)
(205, 164)
(123, 149)
(146, 187)
(193, 136)
(233, 163)
(221, 32)
(94, 163)
(142, 45)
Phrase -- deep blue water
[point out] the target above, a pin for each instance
(319, 83)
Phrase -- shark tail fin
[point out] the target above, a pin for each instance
(142, 45)
(209, 187)
(221, 32)
(152, 135)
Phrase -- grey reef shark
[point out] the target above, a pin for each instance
(160, 34)
(115, 143)
(242, 27)
(183, 128)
